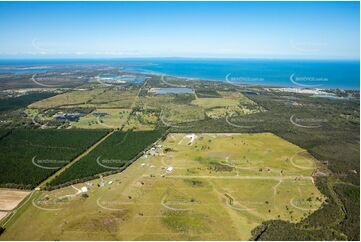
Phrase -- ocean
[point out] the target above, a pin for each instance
(343, 74)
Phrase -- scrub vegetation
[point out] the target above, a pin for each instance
(266, 163)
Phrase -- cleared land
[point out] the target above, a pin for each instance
(68, 98)
(215, 102)
(145, 112)
(190, 187)
(113, 119)
(9, 199)
(176, 109)
(207, 93)
(114, 102)
(93, 97)
(142, 120)
(229, 104)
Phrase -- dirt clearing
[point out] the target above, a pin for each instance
(9, 199)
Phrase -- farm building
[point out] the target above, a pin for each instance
(100, 114)
(68, 116)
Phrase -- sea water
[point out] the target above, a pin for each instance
(343, 74)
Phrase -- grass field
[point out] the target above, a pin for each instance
(207, 93)
(96, 97)
(116, 118)
(68, 98)
(116, 102)
(113, 98)
(29, 156)
(183, 108)
(193, 187)
(229, 104)
(177, 114)
(170, 109)
(173, 109)
(215, 102)
(142, 121)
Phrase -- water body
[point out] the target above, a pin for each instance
(125, 78)
(329, 96)
(31, 69)
(171, 90)
(343, 74)
(287, 73)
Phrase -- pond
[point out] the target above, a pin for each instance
(170, 90)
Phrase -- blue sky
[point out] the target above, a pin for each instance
(307, 30)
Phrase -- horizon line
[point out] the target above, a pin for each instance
(174, 57)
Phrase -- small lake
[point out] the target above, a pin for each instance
(331, 96)
(170, 90)
(123, 78)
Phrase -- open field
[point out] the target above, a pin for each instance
(177, 113)
(215, 102)
(335, 142)
(169, 109)
(190, 187)
(114, 98)
(98, 97)
(115, 102)
(173, 108)
(114, 118)
(207, 93)
(68, 98)
(182, 108)
(29, 156)
(9, 199)
(142, 121)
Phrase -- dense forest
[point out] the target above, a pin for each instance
(29, 156)
(115, 153)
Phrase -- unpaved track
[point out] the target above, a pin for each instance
(2, 215)
(171, 208)
(301, 167)
(247, 177)
(236, 125)
(162, 79)
(300, 208)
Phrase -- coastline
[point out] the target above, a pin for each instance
(290, 88)
(314, 74)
